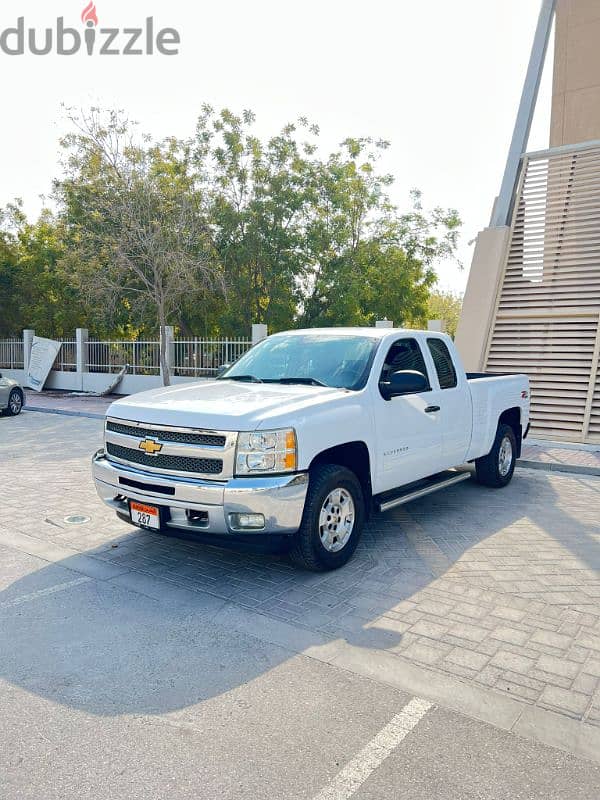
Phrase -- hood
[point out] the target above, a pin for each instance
(224, 405)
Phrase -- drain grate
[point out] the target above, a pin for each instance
(76, 519)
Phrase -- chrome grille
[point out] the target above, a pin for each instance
(180, 437)
(208, 466)
(201, 452)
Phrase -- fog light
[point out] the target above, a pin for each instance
(247, 521)
(197, 517)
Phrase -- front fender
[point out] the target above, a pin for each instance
(334, 425)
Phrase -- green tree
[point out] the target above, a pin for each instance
(10, 319)
(217, 231)
(445, 305)
(260, 195)
(307, 240)
(35, 290)
(138, 232)
(370, 260)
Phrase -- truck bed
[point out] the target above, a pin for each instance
(476, 376)
(492, 394)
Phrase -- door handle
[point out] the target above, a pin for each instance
(431, 409)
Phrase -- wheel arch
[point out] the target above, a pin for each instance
(355, 457)
(512, 418)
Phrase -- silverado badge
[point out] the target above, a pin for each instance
(150, 446)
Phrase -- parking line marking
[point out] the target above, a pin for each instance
(356, 772)
(59, 587)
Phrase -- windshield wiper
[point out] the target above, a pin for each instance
(306, 381)
(249, 378)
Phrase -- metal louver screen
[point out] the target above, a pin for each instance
(547, 316)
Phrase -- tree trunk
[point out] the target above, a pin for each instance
(164, 363)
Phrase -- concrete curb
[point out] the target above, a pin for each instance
(507, 713)
(545, 466)
(62, 412)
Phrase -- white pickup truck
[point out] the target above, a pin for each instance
(305, 434)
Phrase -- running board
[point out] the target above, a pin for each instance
(422, 488)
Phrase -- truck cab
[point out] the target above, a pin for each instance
(305, 434)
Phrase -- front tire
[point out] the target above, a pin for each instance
(497, 468)
(15, 403)
(334, 515)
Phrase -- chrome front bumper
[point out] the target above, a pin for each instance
(279, 499)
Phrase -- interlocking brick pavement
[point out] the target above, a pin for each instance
(500, 588)
(560, 457)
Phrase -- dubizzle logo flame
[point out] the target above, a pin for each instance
(89, 14)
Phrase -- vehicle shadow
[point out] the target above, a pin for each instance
(144, 637)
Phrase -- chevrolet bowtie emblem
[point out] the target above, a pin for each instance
(150, 446)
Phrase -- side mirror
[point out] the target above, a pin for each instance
(406, 381)
(222, 369)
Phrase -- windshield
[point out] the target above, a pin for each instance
(314, 359)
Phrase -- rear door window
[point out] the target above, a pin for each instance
(443, 363)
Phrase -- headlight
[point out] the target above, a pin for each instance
(266, 451)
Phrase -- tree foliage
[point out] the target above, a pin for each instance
(35, 290)
(445, 305)
(139, 237)
(217, 231)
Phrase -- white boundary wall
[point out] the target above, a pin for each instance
(98, 381)
(77, 376)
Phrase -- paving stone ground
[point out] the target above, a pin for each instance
(499, 588)
(557, 456)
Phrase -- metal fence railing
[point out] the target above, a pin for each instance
(203, 357)
(66, 359)
(11, 354)
(142, 358)
(193, 358)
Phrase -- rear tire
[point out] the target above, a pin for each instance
(15, 403)
(497, 468)
(334, 514)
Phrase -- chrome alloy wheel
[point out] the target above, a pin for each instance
(15, 403)
(505, 457)
(336, 520)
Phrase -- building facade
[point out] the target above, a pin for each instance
(533, 298)
(576, 77)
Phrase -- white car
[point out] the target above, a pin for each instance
(12, 398)
(305, 434)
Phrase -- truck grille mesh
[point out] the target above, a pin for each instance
(207, 466)
(181, 437)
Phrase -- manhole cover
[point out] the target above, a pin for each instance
(76, 519)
